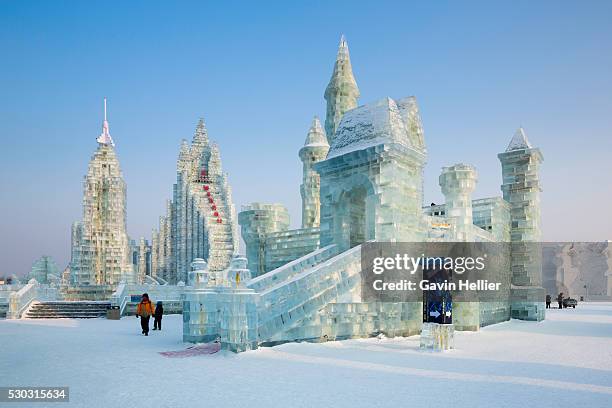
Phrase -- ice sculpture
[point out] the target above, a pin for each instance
(200, 220)
(100, 244)
(370, 188)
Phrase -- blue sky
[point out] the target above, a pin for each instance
(256, 71)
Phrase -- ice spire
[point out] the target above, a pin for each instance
(214, 163)
(342, 92)
(200, 136)
(105, 137)
(519, 141)
(316, 134)
(184, 156)
(184, 151)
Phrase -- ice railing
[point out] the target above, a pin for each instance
(5, 292)
(481, 235)
(19, 301)
(119, 297)
(285, 305)
(291, 269)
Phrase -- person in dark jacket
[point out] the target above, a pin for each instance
(144, 311)
(560, 300)
(159, 312)
(548, 300)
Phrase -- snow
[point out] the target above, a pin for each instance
(369, 125)
(565, 360)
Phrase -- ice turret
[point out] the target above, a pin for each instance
(457, 183)
(256, 220)
(342, 92)
(521, 188)
(315, 149)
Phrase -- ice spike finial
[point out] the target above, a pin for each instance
(342, 92)
(105, 137)
(519, 141)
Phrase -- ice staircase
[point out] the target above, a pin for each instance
(67, 310)
(298, 291)
(212, 202)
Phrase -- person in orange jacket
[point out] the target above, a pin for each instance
(145, 310)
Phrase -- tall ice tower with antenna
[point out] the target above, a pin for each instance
(100, 245)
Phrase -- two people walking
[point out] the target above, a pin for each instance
(145, 310)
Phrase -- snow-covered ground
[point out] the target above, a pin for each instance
(563, 361)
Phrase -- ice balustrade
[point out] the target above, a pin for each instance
(19, 301)
(285, 305)
(287, 271)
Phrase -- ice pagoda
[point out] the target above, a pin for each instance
(200, 220)
(100, 252)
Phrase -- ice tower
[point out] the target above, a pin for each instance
(341, 93)
(521, 189)
(315, 149)
(257, 220)
(371, 181)
(200, 220)
(100, 244)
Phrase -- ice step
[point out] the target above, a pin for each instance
(74, 310)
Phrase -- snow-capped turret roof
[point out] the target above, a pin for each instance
(316, 135)
(519, 141)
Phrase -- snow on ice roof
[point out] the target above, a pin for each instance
(370, 125)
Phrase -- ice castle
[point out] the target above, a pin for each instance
(362, 182)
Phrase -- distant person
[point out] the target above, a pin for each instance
(560, 300)
(145, 311)
(548, 299)
(159, 312)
